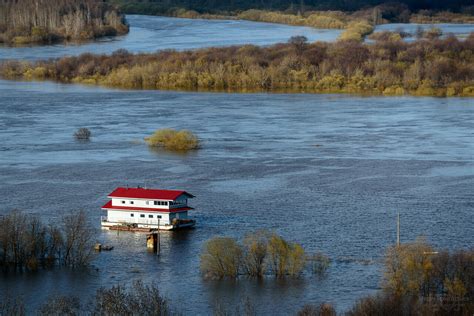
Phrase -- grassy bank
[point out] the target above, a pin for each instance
(52, 21)
(436, 67)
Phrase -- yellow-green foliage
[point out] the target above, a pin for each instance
(19, 40)
(272, 17)
(357, 31)
(221, 258)
(415, 273)
(407, 268)
(316, 19)
(440, 67)
(285, 258)
(36, 73)
(261, 253)
(324, 21)
(171, 139)
(255, 253)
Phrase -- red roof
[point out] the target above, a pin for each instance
(109, 206)
(152, 194)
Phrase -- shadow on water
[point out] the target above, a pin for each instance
(170, 153)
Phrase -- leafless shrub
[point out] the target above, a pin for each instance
(323, 309)
(61, 306)
(78, 240)
(83, 134)
(10, 306)
(25, 242)
(139, 299)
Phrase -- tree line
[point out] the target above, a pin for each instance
(28, 243)
(48, 21)
(213, 6)
(390, 66)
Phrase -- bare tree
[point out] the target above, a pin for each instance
(78, 240)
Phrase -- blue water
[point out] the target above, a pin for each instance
(328, 171)
(153, 33)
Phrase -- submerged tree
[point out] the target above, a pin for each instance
(25, 242)
(139, 299)
(221, 258)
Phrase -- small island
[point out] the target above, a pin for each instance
(52, 21)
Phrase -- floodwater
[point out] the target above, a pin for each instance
(327, 171)
(153, 33)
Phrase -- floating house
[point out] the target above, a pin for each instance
(141, 209)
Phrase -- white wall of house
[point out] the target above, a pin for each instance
(148, 203)
(141, 217)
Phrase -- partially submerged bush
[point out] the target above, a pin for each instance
(221, 258)
(140, 299)
(285, 258)
(11, 306)
(320, 263)
(255, 253)
(178, 140)
(83, 134)
(323, 309)
(261, 253)
(61, 305)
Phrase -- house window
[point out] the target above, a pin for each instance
(123, 202)
(132, 215)
(142, 215)
(131, 202)
(165, 203)
(155, 202)
(150, 216)
(158, 216)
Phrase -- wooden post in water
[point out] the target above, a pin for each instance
(159, 237)
(152, 241)
(398, 229)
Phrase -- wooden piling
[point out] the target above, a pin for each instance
(153, 242)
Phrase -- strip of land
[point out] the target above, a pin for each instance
(434, 67)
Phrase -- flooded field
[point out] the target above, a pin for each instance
(328, 171)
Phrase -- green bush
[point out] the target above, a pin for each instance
(221, 258)
(171, 139)
(255, 253)
(285, 258)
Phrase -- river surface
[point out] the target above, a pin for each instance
(328, 171)
(153, 33)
